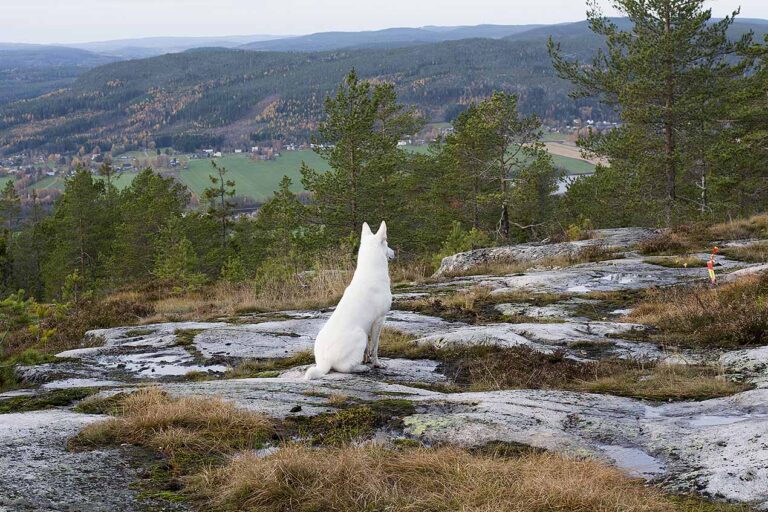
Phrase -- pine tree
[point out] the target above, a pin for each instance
(10, 205)
(175, 257)
(359, 140)
(668, 77)
(149, 204)
(495, 144)
(81, 231)
(220, 204)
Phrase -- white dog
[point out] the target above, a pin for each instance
(343, 342)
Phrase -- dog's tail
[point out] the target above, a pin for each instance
(317, 371)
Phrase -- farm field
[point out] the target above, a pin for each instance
(258, 179)
(57, 182)
(253, 178)
(573, 165)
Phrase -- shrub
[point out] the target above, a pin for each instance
(460, 240)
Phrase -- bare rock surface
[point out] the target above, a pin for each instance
(621, 238)
(38, 474)
(716, 447)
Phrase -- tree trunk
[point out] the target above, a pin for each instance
(504, 222)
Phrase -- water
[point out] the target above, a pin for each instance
(635, 462)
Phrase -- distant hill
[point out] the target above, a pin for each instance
(153, 46)
(387, 38)
(213, 96)
(218, 96)
(27, 71)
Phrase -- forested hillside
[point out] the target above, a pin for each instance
(216, 96)
(27, 71)
(211, 96)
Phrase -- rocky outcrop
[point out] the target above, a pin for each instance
(715, 447)
(621, 238)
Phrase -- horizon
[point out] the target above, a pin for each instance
(57, 24)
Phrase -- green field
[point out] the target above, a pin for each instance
(49, 183)
(573, 165)
(553, 137)
(57, 182)
(253, 178)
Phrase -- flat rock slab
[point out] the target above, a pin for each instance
(156, 352)
(38, 474)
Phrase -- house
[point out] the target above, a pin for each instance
(402, 143)
(237, 151)
(217, 154)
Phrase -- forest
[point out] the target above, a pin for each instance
(692, 149)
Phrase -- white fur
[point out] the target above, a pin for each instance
(351, 335)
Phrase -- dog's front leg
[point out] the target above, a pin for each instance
(373, 344)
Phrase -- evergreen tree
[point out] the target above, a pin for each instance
(359, 140)
(668, 76)
(496, 145)
(81, 230)
(220, 204)
(29, 252)
(175, 258)
(740, 154)
(145, 208)
(10, 205)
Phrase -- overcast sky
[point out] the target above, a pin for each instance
(67, 21)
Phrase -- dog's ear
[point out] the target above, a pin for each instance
(366, 230)
(382, 232)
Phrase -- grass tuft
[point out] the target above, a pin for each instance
(684, 261)
(491, 368)
(188, 430)
(752, 253)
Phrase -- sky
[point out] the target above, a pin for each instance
(70, 21)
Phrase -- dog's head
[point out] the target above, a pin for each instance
(374, 244)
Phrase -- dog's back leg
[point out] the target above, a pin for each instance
(353, 361)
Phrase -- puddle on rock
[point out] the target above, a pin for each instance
(636, 462)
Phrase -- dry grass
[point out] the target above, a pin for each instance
(223, 299)
(209, 446)
(675, 242)
(729, 315)
(683, 261)
(306, 290)
(752, 253)
(373, 478)
(409, 271)
(492, 368)
(185, 429)
(664, 382)
(268, 367)
(752, 227)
